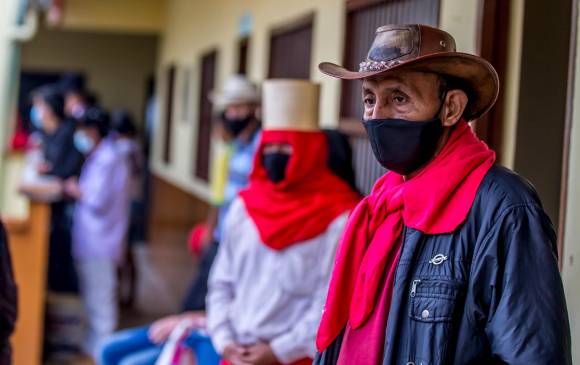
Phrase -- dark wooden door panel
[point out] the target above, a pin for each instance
(169, 92)
(208, 70)
(290, 51)
(361, 25)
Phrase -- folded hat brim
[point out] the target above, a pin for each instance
(475, 71)
(223, 99)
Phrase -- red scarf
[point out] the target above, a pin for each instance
(310, 197)
(436, 201)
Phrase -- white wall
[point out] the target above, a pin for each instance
(571, 254)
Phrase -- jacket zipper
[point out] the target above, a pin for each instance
(414, 288)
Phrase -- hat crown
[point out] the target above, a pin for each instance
(290, 105)
(236, 89)
(394, 44)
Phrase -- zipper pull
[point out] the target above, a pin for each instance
(414, 287)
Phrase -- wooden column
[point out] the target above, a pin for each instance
(28, 241)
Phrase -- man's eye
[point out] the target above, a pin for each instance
(399, 99)
(369, 101)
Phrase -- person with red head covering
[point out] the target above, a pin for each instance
(268, 282)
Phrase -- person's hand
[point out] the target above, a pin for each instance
(234, 354)
(197, 319)
(160, 330)
(71, 188)
(44, 167)
(260, 354)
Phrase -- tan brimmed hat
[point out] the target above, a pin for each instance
(236, 90)
(290, 105)
(423, 48)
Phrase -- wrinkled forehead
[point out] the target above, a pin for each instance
(411, 81)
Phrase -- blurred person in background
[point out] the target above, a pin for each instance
(269, 279)
(77, 99)
(62, 160)
(221, 150)
(124, 133)
(222, 139)
(238, 101)
(100, 222)
(47, 114)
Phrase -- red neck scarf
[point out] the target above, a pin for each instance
(310, 197)
(436, 201)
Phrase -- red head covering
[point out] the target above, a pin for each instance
(436, 201)
(310, 197)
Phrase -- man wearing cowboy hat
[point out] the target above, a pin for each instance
(270, 275)
(451, 258)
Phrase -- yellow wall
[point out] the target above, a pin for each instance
(115, 15)
(196, 27)
(117, 66)
(8, 72)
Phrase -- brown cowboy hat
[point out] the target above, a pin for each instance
(422, 48)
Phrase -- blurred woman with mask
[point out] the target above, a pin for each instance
(61, 157)
(62, 160)
(100, 222)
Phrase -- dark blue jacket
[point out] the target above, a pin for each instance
(488, 293)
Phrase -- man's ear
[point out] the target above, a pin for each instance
(454, 106)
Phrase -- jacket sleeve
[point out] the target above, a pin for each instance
(221, 292)
(112, 178)
(518, 292)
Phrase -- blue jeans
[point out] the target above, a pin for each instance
(133, 347)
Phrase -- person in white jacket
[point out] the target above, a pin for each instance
(268, 283)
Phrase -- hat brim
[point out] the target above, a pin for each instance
(223, 100)
(475, 71)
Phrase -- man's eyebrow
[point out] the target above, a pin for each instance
(366, 90)
(401, 83)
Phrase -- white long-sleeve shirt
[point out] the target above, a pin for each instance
(259, 294)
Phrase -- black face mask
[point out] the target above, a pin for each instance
(236, 126)
(404, 146)
(275, 165)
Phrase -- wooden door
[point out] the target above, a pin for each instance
(207, 77)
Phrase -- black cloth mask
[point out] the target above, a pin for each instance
(236, 125)
(404, 146)
(275, 165)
